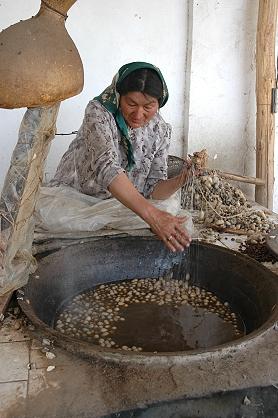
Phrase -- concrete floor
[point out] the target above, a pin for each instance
(72, 388)
(249, 403)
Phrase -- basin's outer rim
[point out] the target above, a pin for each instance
(88, 350)
(168, 377)
(56, 253)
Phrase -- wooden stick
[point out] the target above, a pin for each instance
(242, 179)
(265, 81)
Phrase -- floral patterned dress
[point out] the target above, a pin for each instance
(98, 154)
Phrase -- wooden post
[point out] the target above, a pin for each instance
(265, 81)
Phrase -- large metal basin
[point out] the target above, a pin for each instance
(250, 288)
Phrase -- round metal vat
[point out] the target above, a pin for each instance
(141, 378)
(250, 289)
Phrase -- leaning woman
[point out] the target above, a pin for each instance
(121, 151)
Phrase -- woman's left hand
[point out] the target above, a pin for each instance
(189, 171)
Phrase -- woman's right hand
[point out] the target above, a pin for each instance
(168, 228)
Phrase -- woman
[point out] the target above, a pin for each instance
(121, 150)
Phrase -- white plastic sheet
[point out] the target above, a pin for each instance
(19, 196)
(65, 210)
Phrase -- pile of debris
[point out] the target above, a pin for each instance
(257, 250)
(222, 206)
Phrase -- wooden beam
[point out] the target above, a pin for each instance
(242, 179)
(265, 81)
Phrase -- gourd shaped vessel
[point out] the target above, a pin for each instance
(39, 63)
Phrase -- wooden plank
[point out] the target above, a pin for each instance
(265, 81)
(270, 161)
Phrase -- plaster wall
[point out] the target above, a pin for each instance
(222, 114)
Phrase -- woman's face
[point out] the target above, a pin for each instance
(138, 108)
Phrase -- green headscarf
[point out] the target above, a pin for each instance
(110, 99)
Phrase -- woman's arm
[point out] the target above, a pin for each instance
(167, 227)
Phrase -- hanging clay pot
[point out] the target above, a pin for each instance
(39, 63)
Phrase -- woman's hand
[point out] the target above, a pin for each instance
(191, 170)
(166, 188)
(168, 228)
